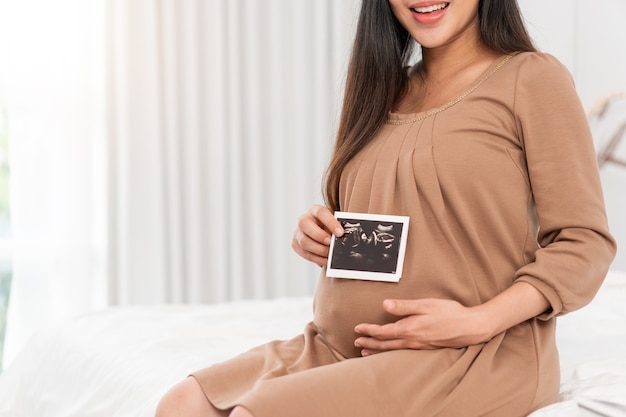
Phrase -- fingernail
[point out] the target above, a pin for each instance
(364, 353)
(327, 240)
(390, 304)
(339, 231)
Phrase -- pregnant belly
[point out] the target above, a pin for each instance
(341, 304)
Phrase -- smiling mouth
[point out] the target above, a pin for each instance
(431, 8)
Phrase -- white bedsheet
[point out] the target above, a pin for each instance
(592, 347)
(120, 361)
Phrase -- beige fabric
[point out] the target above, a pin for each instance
(477, 177)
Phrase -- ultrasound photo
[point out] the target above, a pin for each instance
(372, 247)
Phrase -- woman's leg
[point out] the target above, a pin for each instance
(186, 399)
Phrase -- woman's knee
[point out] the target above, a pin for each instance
(186, 399)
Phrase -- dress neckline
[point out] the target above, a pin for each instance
(396, 118)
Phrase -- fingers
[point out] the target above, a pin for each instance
(379, 338)
(309, 249)
(303, 242)
(325, 220)
(371, 346)
(424, 324)
(408, 307)
(312, 237)
(383, 332)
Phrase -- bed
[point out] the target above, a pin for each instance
(118, 362)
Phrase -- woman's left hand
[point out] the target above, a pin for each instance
(426, 324)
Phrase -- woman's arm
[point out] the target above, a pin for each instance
(574, 246)
(435, 323)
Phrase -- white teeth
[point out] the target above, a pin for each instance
(429, 9)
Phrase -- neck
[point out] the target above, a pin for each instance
(442, 63)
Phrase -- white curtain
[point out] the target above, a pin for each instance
(221, 118)
(162, 150)
(50, 72)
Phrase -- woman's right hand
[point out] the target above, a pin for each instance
(312, 236)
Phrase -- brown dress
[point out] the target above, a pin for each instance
(501, 185)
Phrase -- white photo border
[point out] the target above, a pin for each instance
(370, 275)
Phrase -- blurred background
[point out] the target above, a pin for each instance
(161, 151)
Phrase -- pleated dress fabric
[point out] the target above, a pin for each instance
(501, 185)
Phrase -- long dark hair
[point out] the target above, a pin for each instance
(377, 75)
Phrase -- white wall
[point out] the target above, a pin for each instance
(589, 39)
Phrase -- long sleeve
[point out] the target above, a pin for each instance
(575, 248)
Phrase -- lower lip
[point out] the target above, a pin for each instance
(429, 18)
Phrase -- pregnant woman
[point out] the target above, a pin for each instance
(484, 145)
